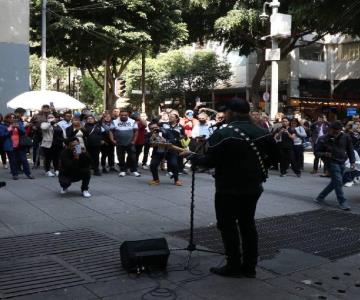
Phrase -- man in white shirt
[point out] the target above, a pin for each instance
(124, 136)
(201, 129)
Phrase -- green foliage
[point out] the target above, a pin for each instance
(177, 73)
(90, 93)
(86, 33)
(55, 71)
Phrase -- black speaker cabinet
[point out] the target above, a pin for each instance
(137, 256)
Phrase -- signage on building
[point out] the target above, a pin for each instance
(351, 111)
(272, 54)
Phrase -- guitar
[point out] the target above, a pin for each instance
(169, 146)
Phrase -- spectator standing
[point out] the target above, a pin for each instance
(160, 153)
(125, 134)
(188, 123)
(318, 129)
(300, 135)
(140, 139)
(52, 144)
(173, 133)
(285, 137)
(115, 114)
(66, 121)
(36, 121)
(94, 139)
(107, 148)
(11, 131)
(2, 151)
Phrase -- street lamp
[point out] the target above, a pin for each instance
(274, 104)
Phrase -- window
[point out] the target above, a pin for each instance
(349, 51)
(313, 52)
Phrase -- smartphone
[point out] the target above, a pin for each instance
(77, 149)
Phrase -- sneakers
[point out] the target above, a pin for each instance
(50, 174)
(154, 182)
(122, 174)
(15, 177)
(314, 172)
(63, 191)
(104, 170)
(86, 194)
(5, 166)
(349, 184)
(112, 169)
(178, 183)
(144, 167)
(344, 206)
(30, 177)
(57, 173)
(282, 175)
(136, 174)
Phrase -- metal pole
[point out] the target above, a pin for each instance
(105, 85)
(43, 46)
(274, 106)
(143, 84)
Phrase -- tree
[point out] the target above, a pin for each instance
(55, 72)
(88, 34)
(177, 74)
(238, 26)
(90, 93)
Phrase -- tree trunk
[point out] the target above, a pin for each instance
(255, 84)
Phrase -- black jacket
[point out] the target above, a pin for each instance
(58, 137)
(339, 148)
(238, 169)
(94, 134)
(71, 167)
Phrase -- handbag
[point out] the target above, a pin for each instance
(25, 141)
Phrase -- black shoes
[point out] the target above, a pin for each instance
(233, 271)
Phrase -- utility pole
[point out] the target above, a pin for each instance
(274, 104)
(43, 46)
(143, 84)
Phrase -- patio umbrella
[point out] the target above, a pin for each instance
(35, 99)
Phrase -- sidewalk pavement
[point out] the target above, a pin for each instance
(129, 209)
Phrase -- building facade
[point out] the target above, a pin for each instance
(321, 78)
(14, 49)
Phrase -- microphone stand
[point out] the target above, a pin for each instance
(191, 247)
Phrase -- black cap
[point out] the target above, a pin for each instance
(237, 105)
(336, 125)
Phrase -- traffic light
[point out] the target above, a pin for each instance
(120, 87)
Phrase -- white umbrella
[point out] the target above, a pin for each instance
(35, 99)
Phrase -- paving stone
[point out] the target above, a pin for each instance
(291, 260)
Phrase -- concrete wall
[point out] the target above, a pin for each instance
(14, 49)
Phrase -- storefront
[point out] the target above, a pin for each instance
(333, 108)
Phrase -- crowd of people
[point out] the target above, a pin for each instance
(132, 136)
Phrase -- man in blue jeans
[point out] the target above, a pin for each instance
(335, 148)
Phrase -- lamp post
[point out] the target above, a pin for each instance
(43, 47)
(274, 104)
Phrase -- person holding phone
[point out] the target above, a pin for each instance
(75, 166)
